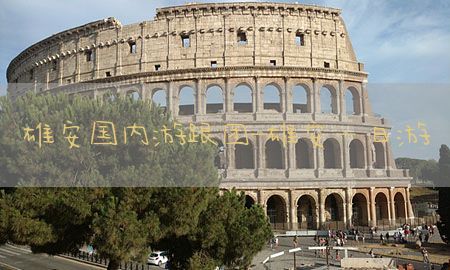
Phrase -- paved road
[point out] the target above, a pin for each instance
(20, 258)
(17, 258)
(306, 259)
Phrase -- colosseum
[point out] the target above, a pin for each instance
(253, 65)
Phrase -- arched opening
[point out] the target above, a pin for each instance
(328, 100)
(381, 207)
(109, 96)
(334, 210)
(272, 100)
(214, 99)
(304, 157)
(359, 206)
(242, 99)
(356, 150)
(274, 155)
(352, 102)
(249, 201)
(331, 154)
(300, 99)
(276, 210)
(133, 95)
(159, 98)
(219, 159)
(379, 155)
(243, 155)
(306, 212)
(186, 99)
(399, 203)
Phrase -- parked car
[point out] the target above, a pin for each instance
(158, 258)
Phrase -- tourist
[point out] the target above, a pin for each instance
(295, 241)
(425, 255)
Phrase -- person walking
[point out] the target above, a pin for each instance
(295, 241)
(425, 255)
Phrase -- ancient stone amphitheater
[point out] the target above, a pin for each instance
(259, 66)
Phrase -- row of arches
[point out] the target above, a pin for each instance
(304, 154)
(307, 209)
(243, 99)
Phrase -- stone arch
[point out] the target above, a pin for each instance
(399, 205)
(274, 155)
(306, 212)
(360, 215)
(381, 206)
(186, 100)
(133, 94)
(304, 154)
(301, 99)
(331, 154)
(214, 99)
(334, 207)
(243, 98)
(272, 97)
(356, 153)
(249, 201)
(352, 101)
(243, 154)
(159, 97)
(379, 155)
(276, 210)
(219, 158)
(328, 99)
(109, 95)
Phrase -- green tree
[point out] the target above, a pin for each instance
(444, 189)
(116, 199)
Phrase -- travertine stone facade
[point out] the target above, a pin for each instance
(252, 48)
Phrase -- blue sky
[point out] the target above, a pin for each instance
(405, 46)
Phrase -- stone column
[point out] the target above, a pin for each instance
(348, 198)
(61, 65)
(408, 208)
(171, 99)
(199, 98)
(316, 99)
(288, 96)
(363, 100)
(228, 97)
(388, 159)
(319, 161)
(292, 212)
(291, 156)
(143, 57)
(260, 157)
(345, 156)
(341, 100)
(118, 67)
(389, 210)
(257, 97)
(78, 57)
(369, 160)
(322, 198)
(261, 201)
(229, 148)
(373, 214)
(391, 199)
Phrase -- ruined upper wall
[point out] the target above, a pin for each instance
(213, 30)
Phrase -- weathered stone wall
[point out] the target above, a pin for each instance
(213, 31)
(148, 57)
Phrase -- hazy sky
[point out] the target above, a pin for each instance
(405, 46)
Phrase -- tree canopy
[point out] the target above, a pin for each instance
(124, 199)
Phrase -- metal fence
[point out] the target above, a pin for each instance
(382, 225)
(95, 258)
